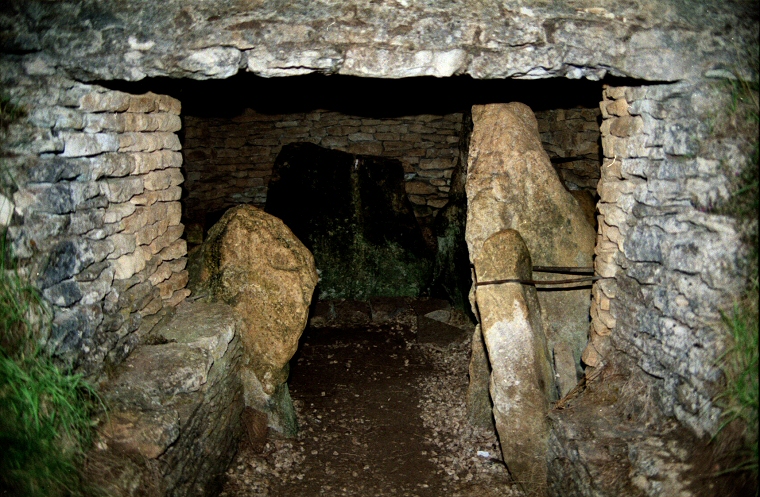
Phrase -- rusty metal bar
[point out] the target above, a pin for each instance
(539, 282)
(567, 270)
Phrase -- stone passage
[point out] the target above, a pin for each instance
(240, 152)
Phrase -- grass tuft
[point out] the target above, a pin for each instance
(45, 412)
(739, 363)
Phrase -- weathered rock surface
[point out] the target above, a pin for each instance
(512, 185)
(522, 383)
(169, 404)
(661, 41)
(252, 261)
(354, 215)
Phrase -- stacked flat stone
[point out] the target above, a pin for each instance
(98, 211)
(239, 153)
(662, 171)
(571, 138)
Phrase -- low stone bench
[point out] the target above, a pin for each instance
(175, 407)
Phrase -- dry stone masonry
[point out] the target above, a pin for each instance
(239, 153)
(98, 175)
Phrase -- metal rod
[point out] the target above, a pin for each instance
(534, 282)
(560, 269)
(568, 270)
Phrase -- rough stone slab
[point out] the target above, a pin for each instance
(154, 375)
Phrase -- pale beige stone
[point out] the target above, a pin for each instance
(522, 383)
(128, 265)
(252, 261)
(511, 184)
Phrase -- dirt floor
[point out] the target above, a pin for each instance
(380, 414)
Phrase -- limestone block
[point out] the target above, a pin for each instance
(123, 244)
(174, 251)
(85, 144)
(120, 190)
(170, 235)
(116, 212)
(148, 234)
(162, 273)
(511, 184)
(522, 383)
(151, 197)
(420, 188)
(254, 262)
(160, 159)
(129, 264)
(111, 101)
(177, 281)
(162, 179)
(177, 297)
(147, 142)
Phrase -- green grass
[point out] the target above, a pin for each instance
(739, 363)
(739, 400)
(45, 412)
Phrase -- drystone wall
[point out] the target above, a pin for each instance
(229, 161)
(97, 177)
(669, 265)
(571, 138)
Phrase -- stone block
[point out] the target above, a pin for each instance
(162, 273)
(420, 188)
(151, 197)
(120, 190)
(177, 298)
(85, 144)
(123, 244)
(365, 148)
(129, 264)
(176, 281)
(147, 234)
(170, 235)
(110, 101)
(163, 179)
(116, 212)
(174, 251)
(522, 383)
(147, 142)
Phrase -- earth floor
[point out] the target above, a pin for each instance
(380, 414)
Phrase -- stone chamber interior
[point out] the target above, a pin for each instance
(366, 318)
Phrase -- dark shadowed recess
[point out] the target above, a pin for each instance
(369, 97)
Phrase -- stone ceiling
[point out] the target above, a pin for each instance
(527, 39)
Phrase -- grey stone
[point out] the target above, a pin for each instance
(66, 259)
(63, 294)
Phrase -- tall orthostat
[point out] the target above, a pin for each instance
(511, 185)
(253, 262)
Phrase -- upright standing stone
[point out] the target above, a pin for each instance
(521, 376)
(252, 261)
(511, 184)
(352, 212)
